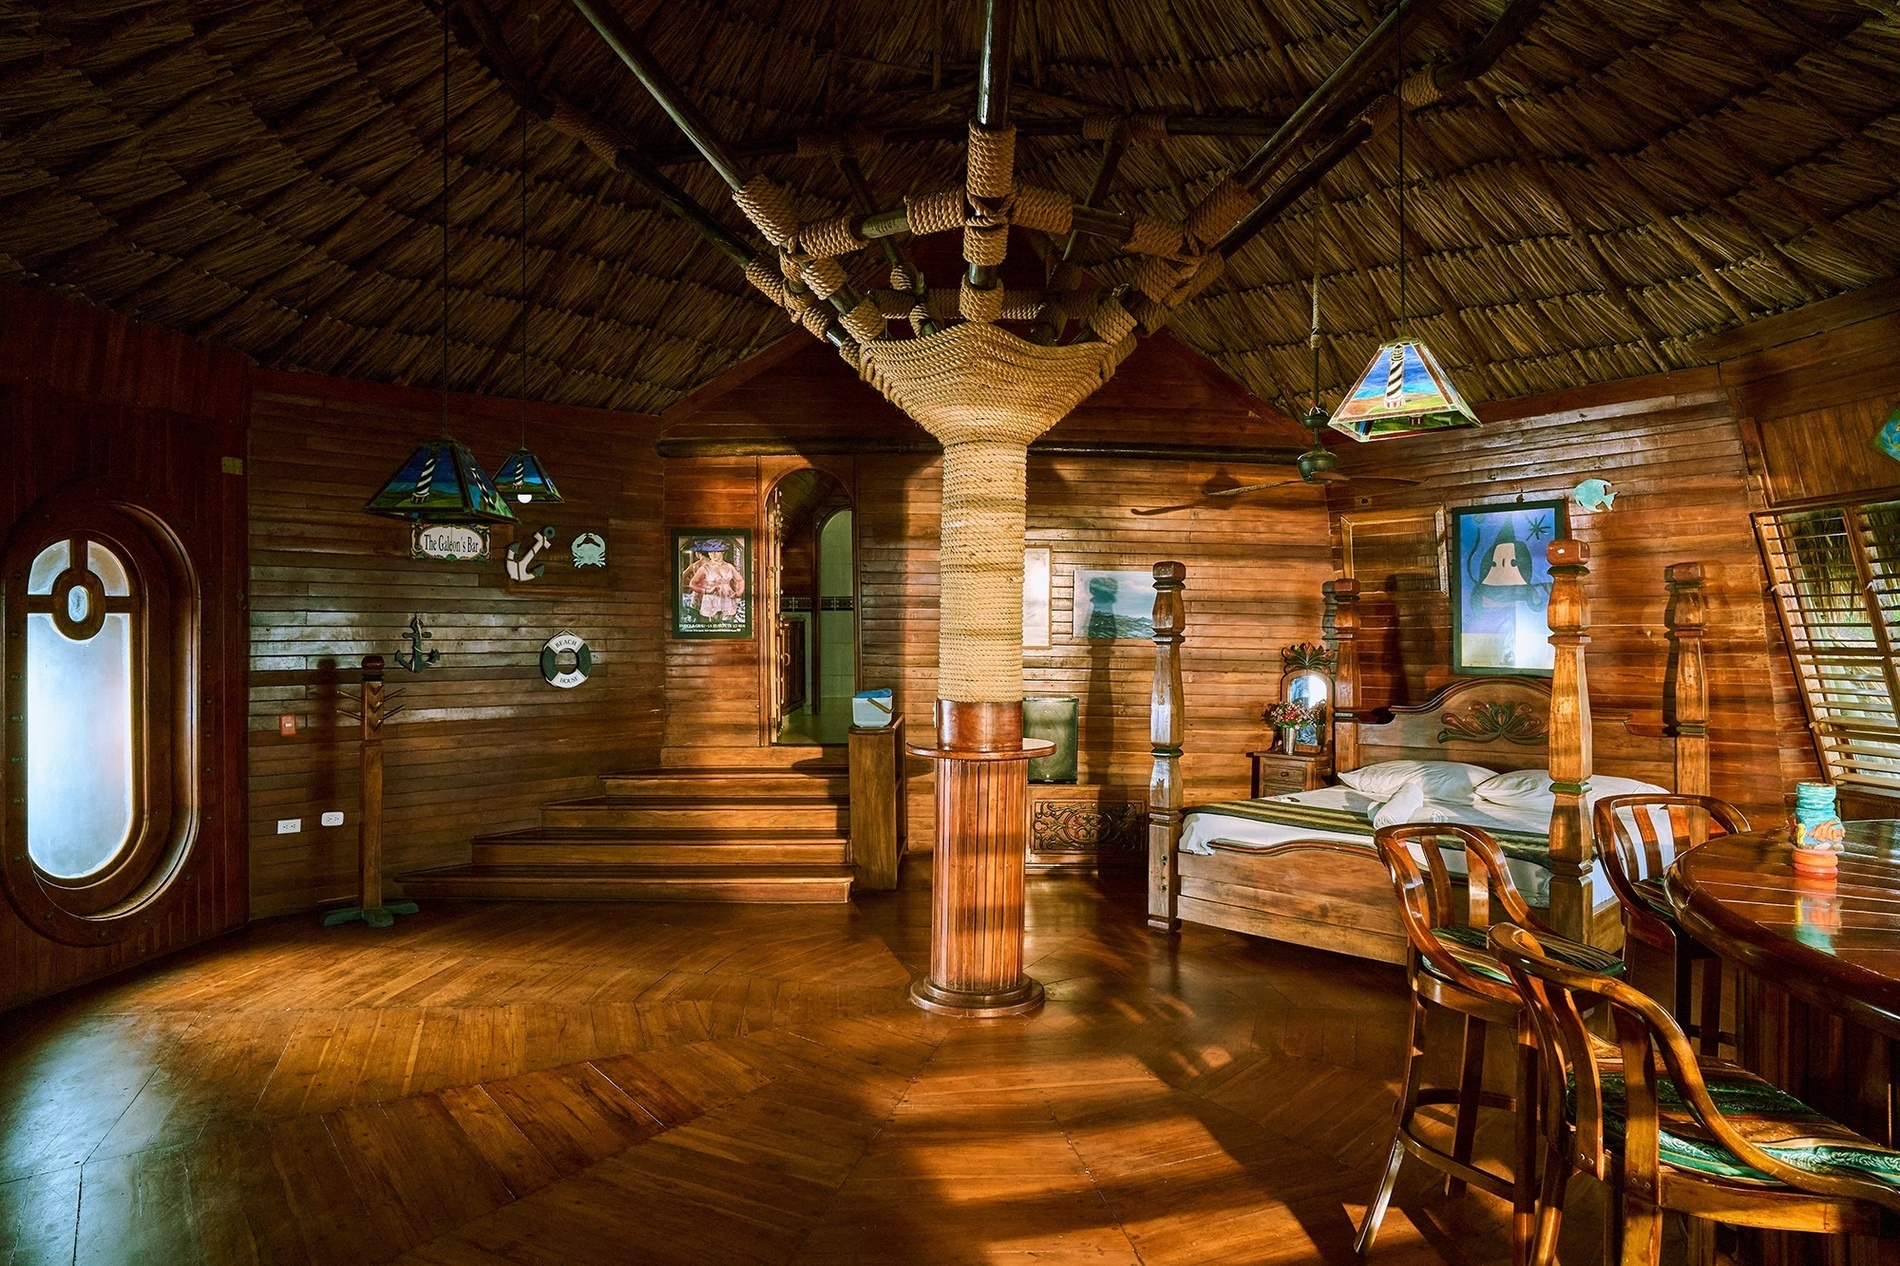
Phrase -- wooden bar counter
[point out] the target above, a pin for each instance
(1819, 960)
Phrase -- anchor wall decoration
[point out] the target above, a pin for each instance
(521, 565)
(417, 660)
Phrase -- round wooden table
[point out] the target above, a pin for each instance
(1819, 995)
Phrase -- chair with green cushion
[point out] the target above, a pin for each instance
(1449, 964)
(1669, 1130)
(1638, 838)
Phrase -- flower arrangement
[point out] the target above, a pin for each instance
(1289, 714)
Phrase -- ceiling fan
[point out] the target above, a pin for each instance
(1317, 465)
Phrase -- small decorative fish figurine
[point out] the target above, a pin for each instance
(1593, 495)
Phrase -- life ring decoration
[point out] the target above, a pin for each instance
(566, 643)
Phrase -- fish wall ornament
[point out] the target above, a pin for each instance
(521, 565)
(1593, 495)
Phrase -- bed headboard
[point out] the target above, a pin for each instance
(1503, 722)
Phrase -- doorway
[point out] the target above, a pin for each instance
(812, 557)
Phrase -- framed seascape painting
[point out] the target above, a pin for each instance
(712, 593)
(1112, 605)
(1500, 593)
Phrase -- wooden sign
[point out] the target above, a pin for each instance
(449, 542)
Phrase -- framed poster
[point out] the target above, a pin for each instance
(1036, 598)
(1113, 605)
(712, 588)
(1500, 599)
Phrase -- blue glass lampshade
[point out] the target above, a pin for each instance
(441, 483)
(523, 479)
(1404, 391)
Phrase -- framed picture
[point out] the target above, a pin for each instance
(1113, 605)
(1500, 600)
(712, 582)
(1036, 598)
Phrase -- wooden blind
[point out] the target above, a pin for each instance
(1836, 577)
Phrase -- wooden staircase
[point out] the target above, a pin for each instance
(712, 832)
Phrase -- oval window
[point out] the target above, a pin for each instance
(100, 655)
(81, 708)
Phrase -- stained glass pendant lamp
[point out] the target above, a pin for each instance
(441, 482)
(522, 478)
(1404, 391)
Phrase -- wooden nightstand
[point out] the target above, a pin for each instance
(1275, 773)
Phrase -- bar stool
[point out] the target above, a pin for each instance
(1449, 964)
(1692, 1135)
(1635, 854)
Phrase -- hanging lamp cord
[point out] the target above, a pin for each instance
(445, 218)
(1398, 86)
(526, 306)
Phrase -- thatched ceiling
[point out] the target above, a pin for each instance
(1631, 176)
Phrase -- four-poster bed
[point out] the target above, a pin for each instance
(1301, 866)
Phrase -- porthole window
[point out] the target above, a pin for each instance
(101, 631)
(83, 636)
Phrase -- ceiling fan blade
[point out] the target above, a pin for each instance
(1399, 480)
(1235, 492)
(1146, 511)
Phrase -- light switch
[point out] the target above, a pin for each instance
(289, 826)
(287, 724)
(333, 818)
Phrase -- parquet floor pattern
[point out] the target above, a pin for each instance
(717, 1084)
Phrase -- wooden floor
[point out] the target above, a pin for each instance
(709, 1084)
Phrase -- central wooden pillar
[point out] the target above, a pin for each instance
(976, 908)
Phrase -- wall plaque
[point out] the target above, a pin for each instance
(449, 542)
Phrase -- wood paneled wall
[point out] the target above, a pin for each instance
(1808, 410)
(484, 741)
(1671, 446)
(85, 395)
(1255, 564)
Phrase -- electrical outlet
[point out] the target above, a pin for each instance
(333, 818)
(287, 724)
(289, 826)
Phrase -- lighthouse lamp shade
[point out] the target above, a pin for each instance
(1404, 391)
(441, 482)
(523, 479)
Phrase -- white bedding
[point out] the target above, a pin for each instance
(1201, 829)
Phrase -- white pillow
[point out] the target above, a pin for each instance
(1530, 789)
(1446, 781)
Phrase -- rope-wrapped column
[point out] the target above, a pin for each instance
(976, 921)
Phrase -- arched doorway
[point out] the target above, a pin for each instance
(813, 640)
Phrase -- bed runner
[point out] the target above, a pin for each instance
(1522, 845)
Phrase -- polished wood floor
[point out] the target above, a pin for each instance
(712, 1084)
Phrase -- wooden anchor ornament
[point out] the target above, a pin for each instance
(373, 710)
(521, 565)
(416, 660)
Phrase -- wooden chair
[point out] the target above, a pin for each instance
(1449, 964)
(1696, 1135)
(1636, 854)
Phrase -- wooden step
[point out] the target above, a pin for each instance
(647, 848)
(759, 814)
(776, 757)
(803, 885)
(727, 783)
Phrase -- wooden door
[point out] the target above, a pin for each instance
(791, 665)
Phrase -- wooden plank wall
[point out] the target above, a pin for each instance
(1255, 564)
(1671, 446)
(85, 395)
(484, 741)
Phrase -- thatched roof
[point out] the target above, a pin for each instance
(1631, 175)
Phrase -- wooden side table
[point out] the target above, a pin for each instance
(1081, 827)
(1275, 773)
(877, 804)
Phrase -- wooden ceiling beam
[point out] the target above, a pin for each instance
(836, 446)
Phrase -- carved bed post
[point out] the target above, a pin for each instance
(1572, 899)
(1688, 701)
(1165, 723)
(1345, 595)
